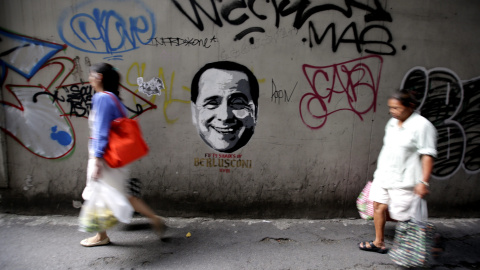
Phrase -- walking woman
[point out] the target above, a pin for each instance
(404, 166)
(105, 80)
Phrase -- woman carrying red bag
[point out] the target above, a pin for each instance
(105, 79)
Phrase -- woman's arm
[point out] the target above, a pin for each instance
(103, 120)
(427, 166)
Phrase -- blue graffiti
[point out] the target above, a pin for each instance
(62, 137)
(107, 31)
(17, 50)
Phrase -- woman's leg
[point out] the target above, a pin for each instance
(141, 207)
(379, 219)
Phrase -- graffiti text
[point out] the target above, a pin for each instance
(184, 42)
(349, 86)
(281, 94)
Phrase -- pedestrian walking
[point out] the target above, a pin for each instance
(105, 80)
(404, 166)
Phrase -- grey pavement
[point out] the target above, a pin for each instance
(52, 242)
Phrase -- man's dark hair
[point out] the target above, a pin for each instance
(226, 65)
(406, 98)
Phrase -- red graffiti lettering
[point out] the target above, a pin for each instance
(349, 86)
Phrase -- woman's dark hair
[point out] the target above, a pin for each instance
(111, 78)
(406, 98)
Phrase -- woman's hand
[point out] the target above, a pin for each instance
(97, 169)
(421, 190)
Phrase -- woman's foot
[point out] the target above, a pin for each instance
(159, 226)
(95, 241)
(370, 246)
(438, 245)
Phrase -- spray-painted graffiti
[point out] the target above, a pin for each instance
(453, 106)
(281, 94)
(79, 97)
(33, 110)
(25, 55)
(265, 41)
(349, 86)
(184, 42)
(106, 30)
(303, 10)
(360, 41)
(137, 70)
(38, 122)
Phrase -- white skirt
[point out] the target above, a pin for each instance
(115, 177)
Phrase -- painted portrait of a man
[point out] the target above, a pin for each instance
(224, 102)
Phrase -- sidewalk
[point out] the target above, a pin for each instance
(52, 242)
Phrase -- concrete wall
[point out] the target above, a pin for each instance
(325, 70)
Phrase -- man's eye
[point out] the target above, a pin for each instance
(238, 103)
(212, 104)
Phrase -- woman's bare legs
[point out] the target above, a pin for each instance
(379, 219)
(141, 207)
(380, 216)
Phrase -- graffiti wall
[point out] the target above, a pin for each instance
(251, 108)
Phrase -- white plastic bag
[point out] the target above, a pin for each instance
(418, 210)
(106, 207)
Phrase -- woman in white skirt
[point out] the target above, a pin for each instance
(104, 78)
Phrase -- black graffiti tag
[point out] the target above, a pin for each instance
(453, 107)
(302, 11)
(359, 40)
(80, 99)
(53, 96)
(185, 42)
(281, 94)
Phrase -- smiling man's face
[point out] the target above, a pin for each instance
(224, 112)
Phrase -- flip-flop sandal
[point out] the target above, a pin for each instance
(438, 245)
(372, 247)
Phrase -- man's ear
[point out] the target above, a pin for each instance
(193, 107)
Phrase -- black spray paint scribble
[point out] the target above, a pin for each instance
(79, 97)
(453, 107)
(152, 87)
(353, 35)
(237, 13)
(184, 42)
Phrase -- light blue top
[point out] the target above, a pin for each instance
(104, 111)
(399, 163)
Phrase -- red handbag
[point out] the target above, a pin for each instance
(125, 141)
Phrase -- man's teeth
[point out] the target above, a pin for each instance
(225, 130)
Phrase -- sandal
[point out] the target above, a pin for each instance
(372, 247)
(438, 246)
